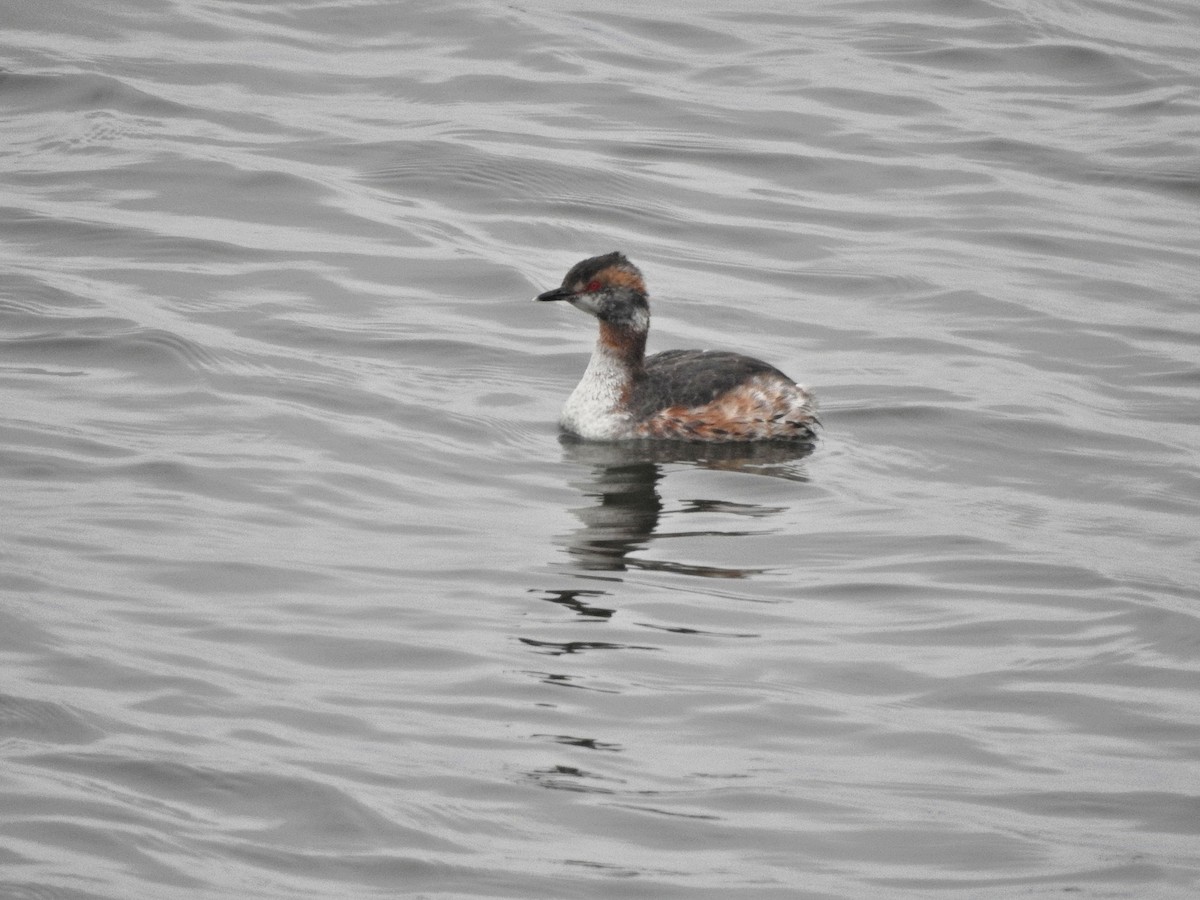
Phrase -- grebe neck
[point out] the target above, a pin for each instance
(623, 346)
(598, 408)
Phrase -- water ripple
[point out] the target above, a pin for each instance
(303, 592)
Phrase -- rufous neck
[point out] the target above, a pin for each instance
(628, 345)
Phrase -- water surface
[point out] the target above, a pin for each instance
(304, 597)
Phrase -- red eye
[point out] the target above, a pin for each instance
(592, 286)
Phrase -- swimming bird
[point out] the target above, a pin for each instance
(689, 395)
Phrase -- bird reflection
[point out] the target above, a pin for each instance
(623, 514)
(622, 483)
(576, 601)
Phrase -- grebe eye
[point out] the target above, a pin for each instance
(592, 286)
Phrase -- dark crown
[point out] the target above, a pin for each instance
(584, 271)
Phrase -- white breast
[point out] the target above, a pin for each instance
(594, 411)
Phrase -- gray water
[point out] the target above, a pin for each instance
(302, 596)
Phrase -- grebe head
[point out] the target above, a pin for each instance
(608, 287)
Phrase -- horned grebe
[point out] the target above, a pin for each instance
(690, 395)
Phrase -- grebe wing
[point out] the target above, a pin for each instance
(691, 378)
